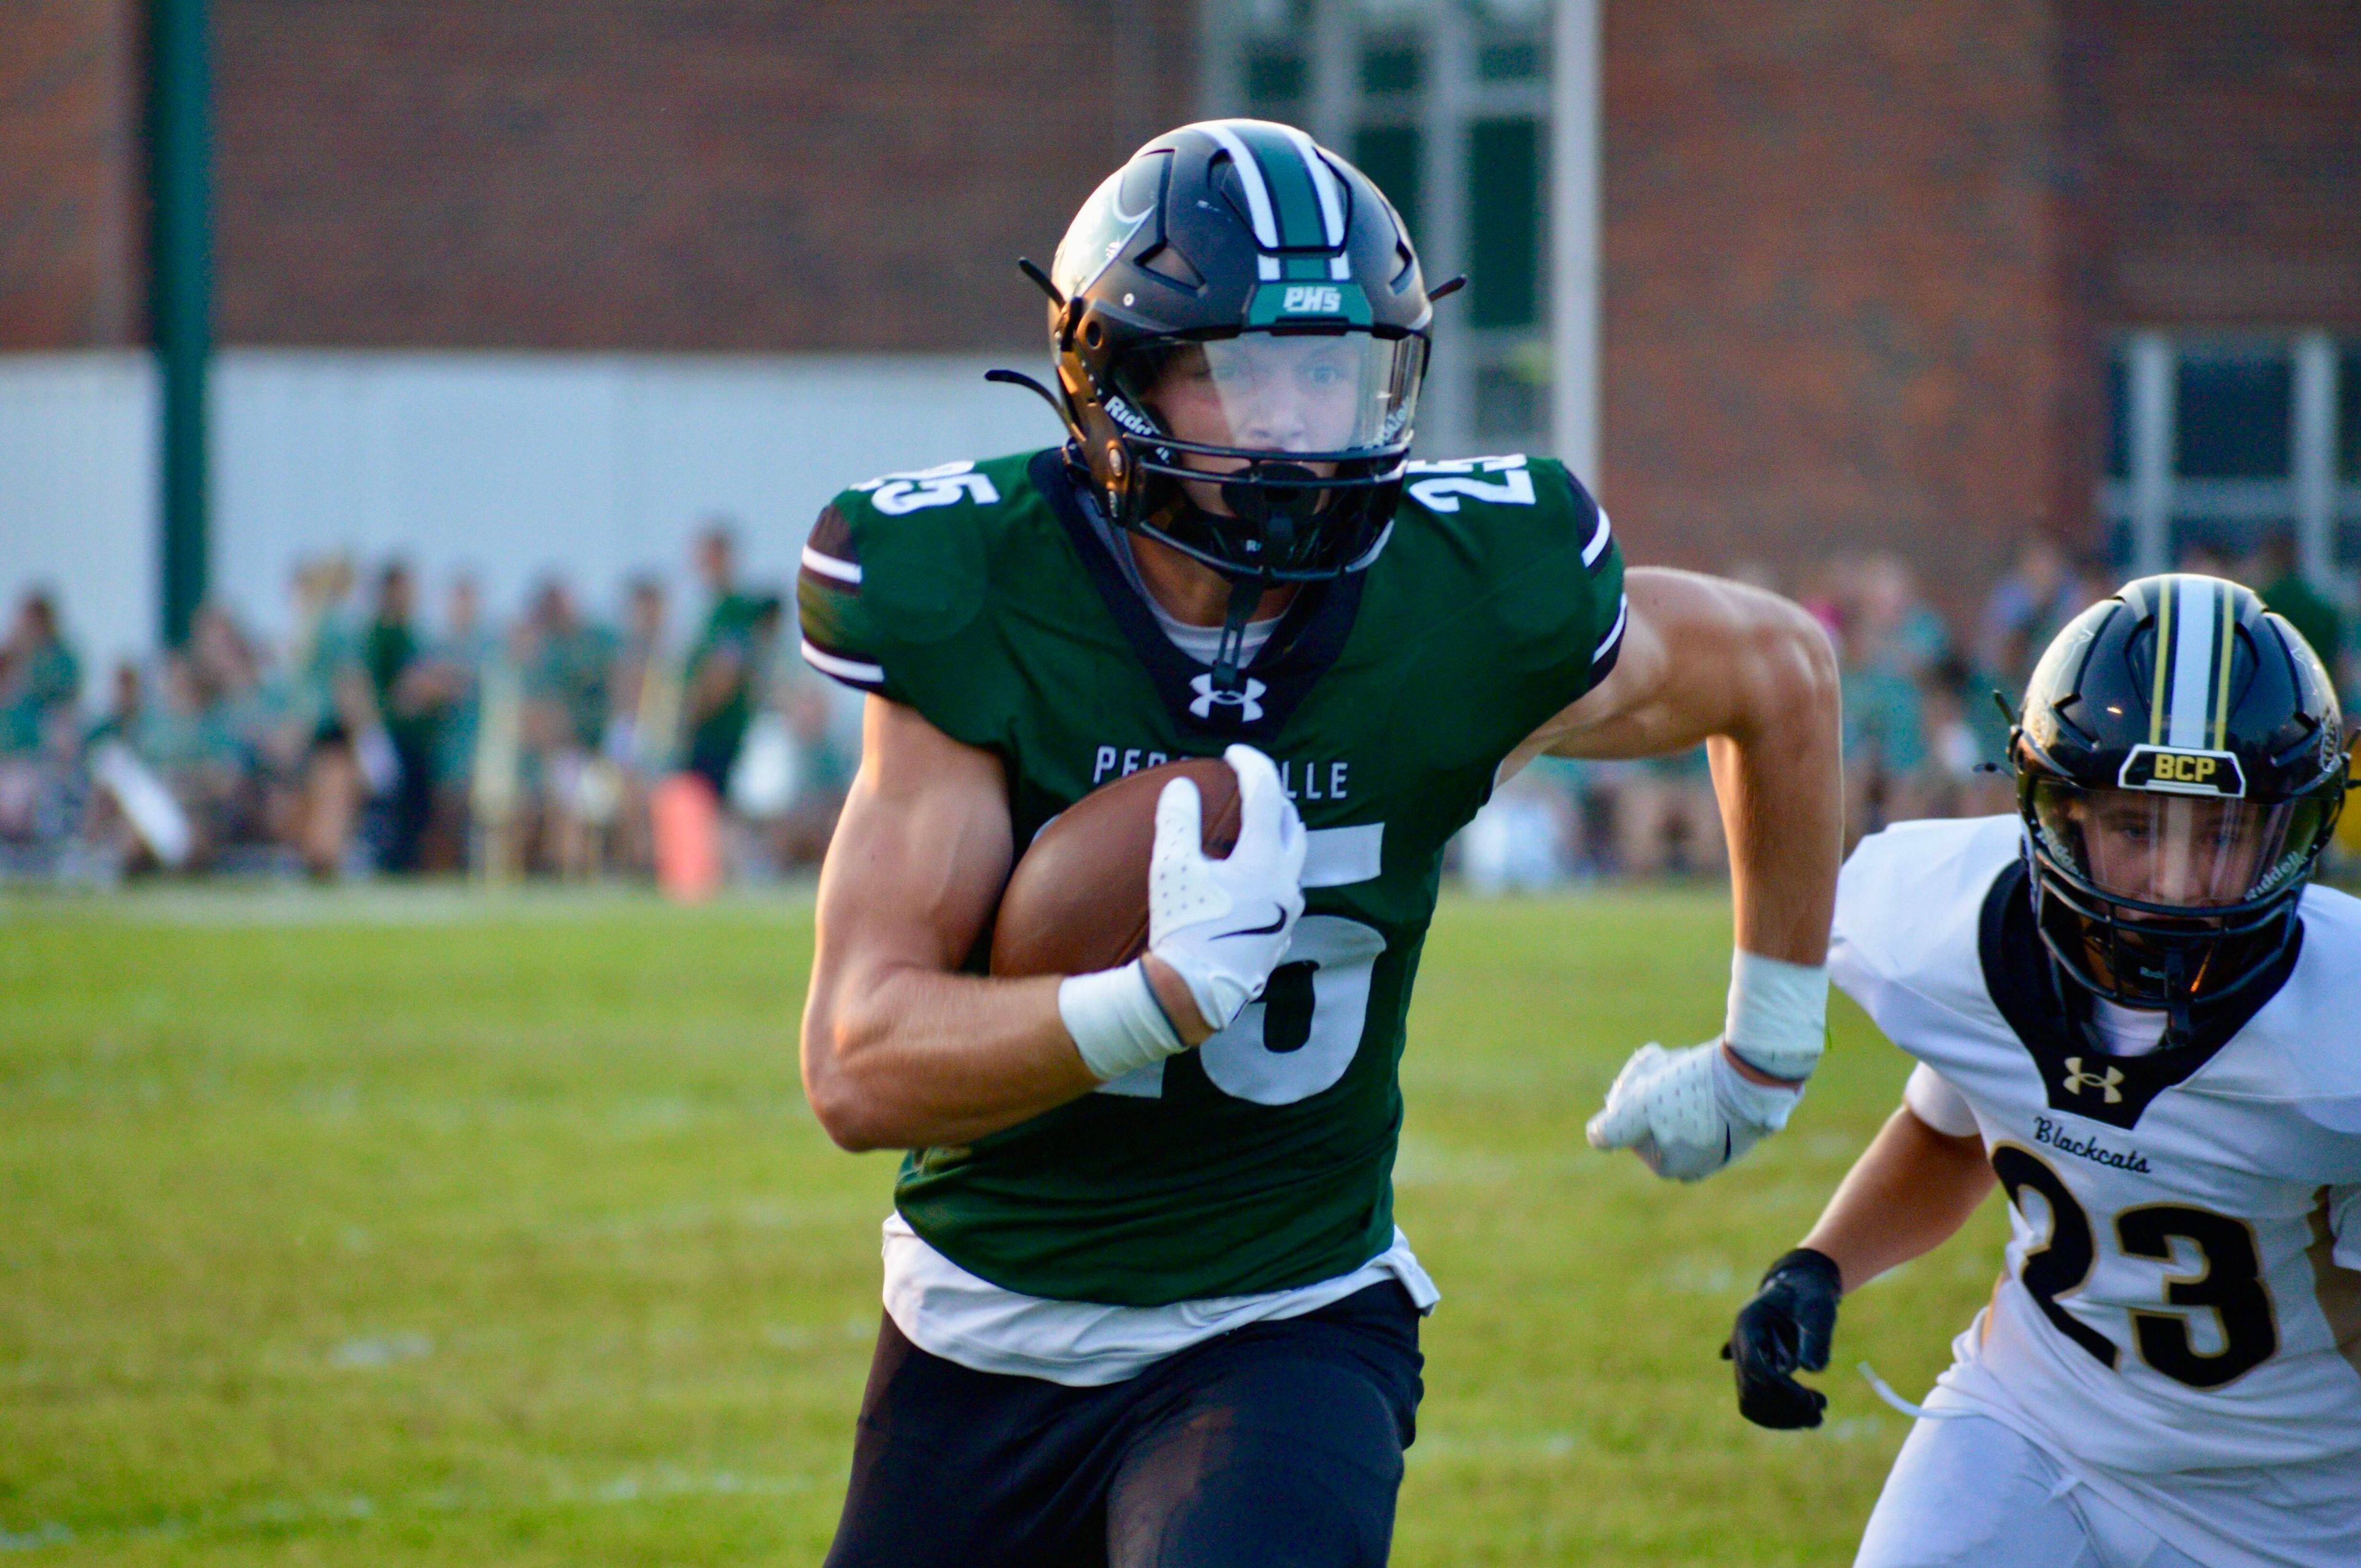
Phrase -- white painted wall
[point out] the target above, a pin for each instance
(506, 466)
(77, 495)
(594, 466)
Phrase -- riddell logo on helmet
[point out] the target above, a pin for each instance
(2174, 771)
(1313, 300)
(1131, 419)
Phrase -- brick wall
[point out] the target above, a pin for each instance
(2226, 140)
(72, 219)
(1837, 306)
(1861, 256)
(749, 175)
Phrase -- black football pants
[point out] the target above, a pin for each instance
(1278, 1445)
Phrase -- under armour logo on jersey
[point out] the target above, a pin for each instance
(2107, 1084)
(1249, 702)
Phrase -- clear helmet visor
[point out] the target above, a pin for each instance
(2175, 851)
(1277, 391)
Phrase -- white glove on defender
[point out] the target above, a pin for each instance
(1223, 925)
(1687, 1113)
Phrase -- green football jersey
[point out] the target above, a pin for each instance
(986, 596)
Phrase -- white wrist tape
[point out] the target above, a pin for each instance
(1116, 1020)
(1778, 1019)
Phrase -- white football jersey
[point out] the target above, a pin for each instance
(2183, 1291)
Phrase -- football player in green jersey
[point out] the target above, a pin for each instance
(1146, 1301)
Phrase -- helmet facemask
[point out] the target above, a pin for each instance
(1272, 456)
(2168, 901)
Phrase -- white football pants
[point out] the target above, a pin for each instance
(1967, 1491)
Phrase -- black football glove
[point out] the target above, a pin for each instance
(1788, 1325)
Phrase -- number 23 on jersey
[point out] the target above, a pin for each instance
(2226, 1280)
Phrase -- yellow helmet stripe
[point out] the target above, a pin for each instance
(2222, 685)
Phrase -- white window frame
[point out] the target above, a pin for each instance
(1450, 98)
(2149, 498)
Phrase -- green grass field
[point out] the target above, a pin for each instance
(409, 1228)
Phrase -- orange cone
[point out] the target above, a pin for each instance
(686, 819)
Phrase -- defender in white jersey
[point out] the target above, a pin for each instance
(2129, 1009)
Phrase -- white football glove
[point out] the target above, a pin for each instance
(1223, 925)
(1687, 1113)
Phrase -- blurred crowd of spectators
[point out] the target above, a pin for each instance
(376, 739)
(561, 745)
(1923, 735)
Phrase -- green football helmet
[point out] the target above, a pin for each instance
(1240, 328)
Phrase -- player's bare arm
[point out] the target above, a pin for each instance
(1907, 1194)
(898, 1048)
(1753, 677)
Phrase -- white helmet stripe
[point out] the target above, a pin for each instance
(1332, 211)
(2196, 612)
(1331, 205)
(1250, 173)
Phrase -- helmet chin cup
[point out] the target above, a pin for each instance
(1283, 493)
(1281, 522)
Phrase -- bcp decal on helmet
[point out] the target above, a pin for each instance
(2169, 770)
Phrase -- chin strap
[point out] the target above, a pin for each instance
(1245, 593)
(2180, 1014)
(2075, 1002)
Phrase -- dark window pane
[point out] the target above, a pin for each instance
(1504, 223)
(2231, 417)
(1509, 408)
(1388, 155)
(2348, 413)
(1275, 82)
(1390, 68)
(2221, 545)
(2119, 416)
(1512, 59)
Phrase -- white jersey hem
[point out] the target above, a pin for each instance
(947, 1311)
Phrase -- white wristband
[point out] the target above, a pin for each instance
(1116, 1020)
(1778, 1019)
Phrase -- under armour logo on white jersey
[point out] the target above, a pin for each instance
(1249, 702)
(2078, 1081)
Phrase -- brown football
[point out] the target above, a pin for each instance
(1078, 899)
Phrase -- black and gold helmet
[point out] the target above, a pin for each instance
(1240, 328)
(2181, 762)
